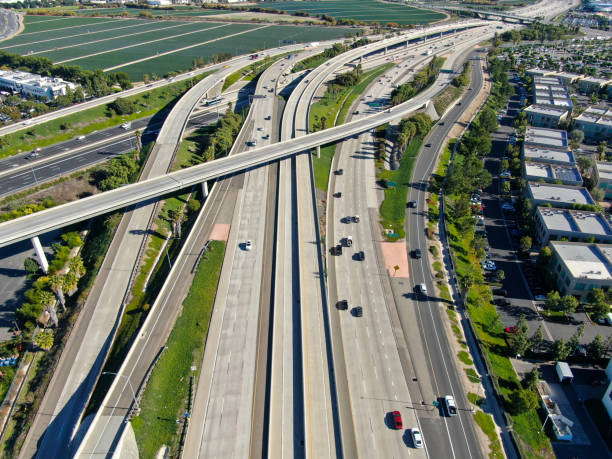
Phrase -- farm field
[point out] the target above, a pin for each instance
(362, 10)
(154, 11)
(143, 46)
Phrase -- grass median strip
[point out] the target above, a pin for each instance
(166, 394)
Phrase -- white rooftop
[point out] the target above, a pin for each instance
(560, 193)
(587, 261)
(604, 170)
(548, 154)
(552, 171)
(575, 221)
(546, 137)
(546, 110)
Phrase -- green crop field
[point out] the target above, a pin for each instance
(155, 12)
(266, 37)
(115, 43)
(362, 10)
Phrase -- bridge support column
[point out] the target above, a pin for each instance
(40, 254)
(385, 50)
(205, 189)
(318, 151)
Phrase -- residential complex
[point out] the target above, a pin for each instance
(604, 174)
(541, 137)
(545, 116)
(596, 123)
(558, 195)
(581, 267)
(547, 155)
(575, 225)
(550, 91)
(552, 173)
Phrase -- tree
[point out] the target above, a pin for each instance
(560, 350)
(521, 400)
(596, 348)
(193, 206)
(44, 339)
(574, 341)
(601, 150)
(536, 339)
(520, 344)
(521, 325)
(525, 244)
(599, 303)
(75, 264)
(552, 300)
(31, 266)
(530, 381)
(568, 304)
(577, 136)
(467, 280)
(57, 284)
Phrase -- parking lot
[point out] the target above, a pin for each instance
(522, 281)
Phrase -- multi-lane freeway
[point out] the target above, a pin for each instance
(325, 432)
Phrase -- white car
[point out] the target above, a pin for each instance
(508, 207)
(506, 174)
(248, 245)
(451, 407)
(417, 438)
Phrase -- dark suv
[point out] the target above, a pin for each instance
(342, 305)
(416, 253)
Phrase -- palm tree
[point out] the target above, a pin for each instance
(76, 266)
(57, 285)
(47, 299)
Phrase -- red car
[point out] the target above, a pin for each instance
(397, 420)
(510, 329)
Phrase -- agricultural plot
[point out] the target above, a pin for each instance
(363, 10)
(156, 41)
(38, 42)
(153, 11)
(141, 46)
(266, 37)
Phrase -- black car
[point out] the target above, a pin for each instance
(501, 302)
(500, 292)
(412, 204)
(427, 145)
(339, 171)
(336, 250)
(416, 253)
(342, 305)
(361, 255)
(358, 311)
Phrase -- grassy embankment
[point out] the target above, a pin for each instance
(165, 397)
(334, 108)
(94, 119)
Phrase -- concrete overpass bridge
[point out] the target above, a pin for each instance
(31, 226)
(488, 14)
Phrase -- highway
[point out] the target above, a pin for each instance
(89, 207)
(18, 172)
(57, 421)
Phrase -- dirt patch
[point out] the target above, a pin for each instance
(220, 232)
(65, 191)
(395, 255)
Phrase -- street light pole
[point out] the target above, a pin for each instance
(129, 382)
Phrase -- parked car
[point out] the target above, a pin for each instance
(500, 291)
(501, 302)
(540, 297)
(506, 174)
(510, 329)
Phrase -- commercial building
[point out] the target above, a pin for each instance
(575, 225)
(552, 173)
(558, 195)
(581, 267)
(547, 155)
(550, 138)
(550, 91)
(604, 178)
(32, 85)
(545, 116)
(596, 123)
